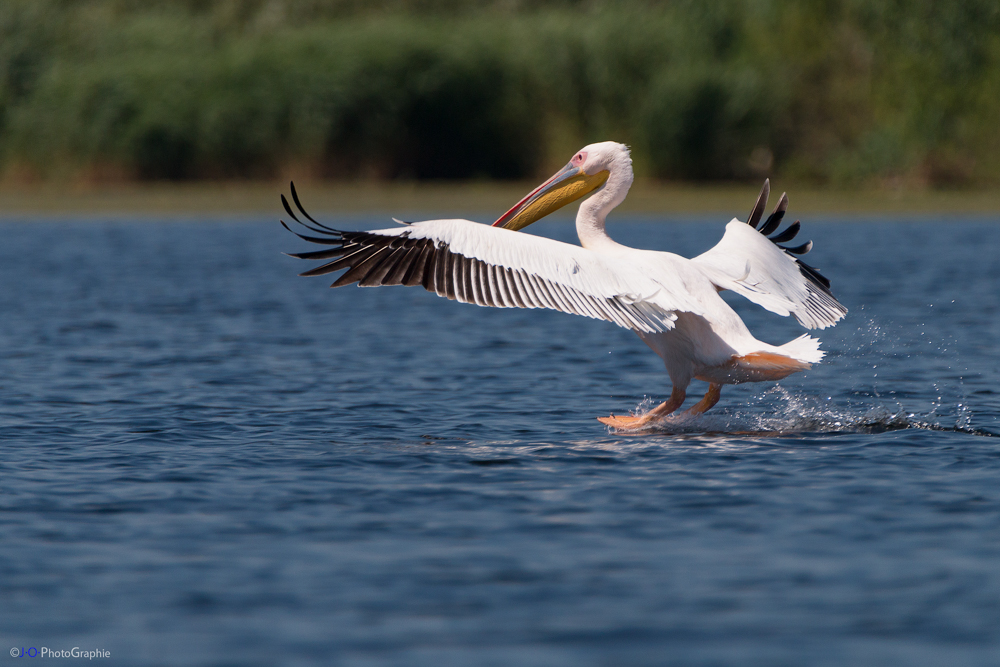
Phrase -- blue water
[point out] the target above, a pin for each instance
(206, 460)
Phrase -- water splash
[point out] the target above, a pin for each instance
(778, 411)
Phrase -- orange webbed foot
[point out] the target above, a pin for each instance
(620, 421)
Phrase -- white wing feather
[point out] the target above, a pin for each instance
(748, 263)
(492, 266)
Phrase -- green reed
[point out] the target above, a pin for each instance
(825, 91)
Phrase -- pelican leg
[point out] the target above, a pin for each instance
(705, 404)
(665, 408)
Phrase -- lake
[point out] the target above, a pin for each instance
(207, 460)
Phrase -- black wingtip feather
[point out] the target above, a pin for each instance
(318, 254)
(773, 221)
(788, 234)
(799, 249)
(758, 210)
(815, 275)
(288, 209)
(332, 240)
(323, 229)
(777, 214)
(295, 196)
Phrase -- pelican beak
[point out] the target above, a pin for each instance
(566, 186)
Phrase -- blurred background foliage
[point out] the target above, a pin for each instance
(831, 92)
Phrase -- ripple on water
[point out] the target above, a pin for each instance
(206, 460)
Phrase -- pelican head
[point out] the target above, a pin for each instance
(587, 171)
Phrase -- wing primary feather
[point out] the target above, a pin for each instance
(487, 276)
(788, 234)
(542, 292)
(475, 284)
(514, 287)
(430, 270)
(562, 302)
(774, 219)
(459, 278)
(359, 270)
(446, 275)
(578, 303)
(371, 240)
(402, 266)
(455, 288)
(376, 276)
(418, 270)
(440, 269)
(548, 294)
(527, 290)
(758, 209)
(313, 239)
(482, 271)
(326, 231)
(525, 297)
(604, 309)
(507, 287)
(471, 281)
(600, 305)
(553, 293)
(799, 249)
(318, 254)
(500, 293)
(295, 197)
(455, 277)
(491, 291)
(616, 316)
(468, 269)
(630, 316)
(478, 294)
(814, 275)
(531, 290)
(344, 262)
(584, 304)
(492, 287)
(288, 209)
(620, 317)
(566, 303)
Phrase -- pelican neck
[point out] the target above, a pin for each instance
(593, 212)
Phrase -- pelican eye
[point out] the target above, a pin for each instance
(578, 159)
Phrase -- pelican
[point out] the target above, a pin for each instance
(671, 302)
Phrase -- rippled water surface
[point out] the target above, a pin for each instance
(205, 460)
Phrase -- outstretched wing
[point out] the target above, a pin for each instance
(757, 267)
(491, 266)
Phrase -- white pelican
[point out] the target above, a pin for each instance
(671, 302)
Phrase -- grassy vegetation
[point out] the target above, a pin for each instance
(898, 93)
(478, 200)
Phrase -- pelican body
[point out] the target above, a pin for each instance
(671, 302)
